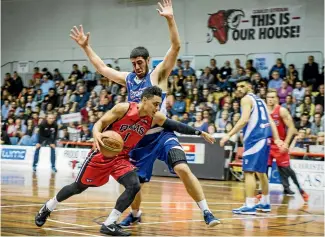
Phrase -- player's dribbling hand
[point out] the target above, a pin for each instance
(166, 9)
(224, 139)
(79, 36)
(98, 139)
(280, 144)
(208, 137)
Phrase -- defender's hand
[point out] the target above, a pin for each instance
(224, 139)
(166, 9)
(79, 36)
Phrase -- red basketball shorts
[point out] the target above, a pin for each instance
(282, 159)
(96, 170)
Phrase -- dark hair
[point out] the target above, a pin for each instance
(140, 52)
(292, 65)
(36, 68)
(150, 92)
(75, 65)
(244, 79)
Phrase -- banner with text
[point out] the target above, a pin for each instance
(280, 22)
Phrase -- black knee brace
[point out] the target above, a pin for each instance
(176, 156)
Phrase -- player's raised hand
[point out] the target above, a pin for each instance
(208, 137)
(79, 36)
(166, 8)
(224, 139)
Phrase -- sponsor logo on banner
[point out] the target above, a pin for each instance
(310, 173)
(13, 154)
(194, 152)
(279, 22)
(74, 157)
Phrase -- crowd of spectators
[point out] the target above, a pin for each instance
(208, 102)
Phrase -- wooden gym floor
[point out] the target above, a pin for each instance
(167, 208)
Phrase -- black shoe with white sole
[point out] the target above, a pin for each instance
(289, 193)
(42, 215)
(113, 229)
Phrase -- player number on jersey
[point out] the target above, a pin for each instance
(126, 137)
(262, 110)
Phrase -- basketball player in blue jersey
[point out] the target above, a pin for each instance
(158, 143)
(258, 127)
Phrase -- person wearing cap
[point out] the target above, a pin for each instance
(179, 106)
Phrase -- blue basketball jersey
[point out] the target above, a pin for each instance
(136, 86)
(258, 126)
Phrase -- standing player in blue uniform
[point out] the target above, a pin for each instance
(258, 127)
(158, 143)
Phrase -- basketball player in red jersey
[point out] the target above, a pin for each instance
(286, 130)
(131, 121)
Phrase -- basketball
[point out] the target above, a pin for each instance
(113, 144)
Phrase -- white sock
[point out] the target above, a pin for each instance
(203, 205)
(250, 202)
(136, 213)
(51, 204)
(265, 199)
(114, 216)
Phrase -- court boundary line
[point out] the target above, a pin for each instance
(76, 203)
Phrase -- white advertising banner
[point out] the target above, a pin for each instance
(73, 117)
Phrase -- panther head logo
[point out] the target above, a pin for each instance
(221, 22)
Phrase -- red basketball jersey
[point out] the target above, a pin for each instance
(131, 127)
(280, 125)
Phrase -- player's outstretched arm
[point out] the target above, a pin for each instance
(246, 106)
(291, 130)
(83, 41)
(161, 120)
(164, 69)
(117, 112)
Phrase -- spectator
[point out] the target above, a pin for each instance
(60, 98)
(206, 116)
(213, 68)
(237, 64)
(98, 87)
(276, 81)
(249, 66)
(75, 72)
(46, 85)
(107, 104)
(46, 72)
(5, 109)
(310, 72)
(258, 82)
(225, 107)
(52, 97)
(307, 106)
(57, 75)
(293, 73)
(280, 68)
(300, 140)
(199, 123)
(39, 97)
(179, 65)
(179, 106)
(284, 91)
(37, 74)
(317, 125)
(188, 70)
(185, 119)
(290, 105)
(205, 79)
(16, 84)
(224, 73)
(85, 133)
(319, 99)
(220, 123)
(298, 93)
(48, 130)
(69, 97)
(235, 118)
(211, 129)
(304, 122)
